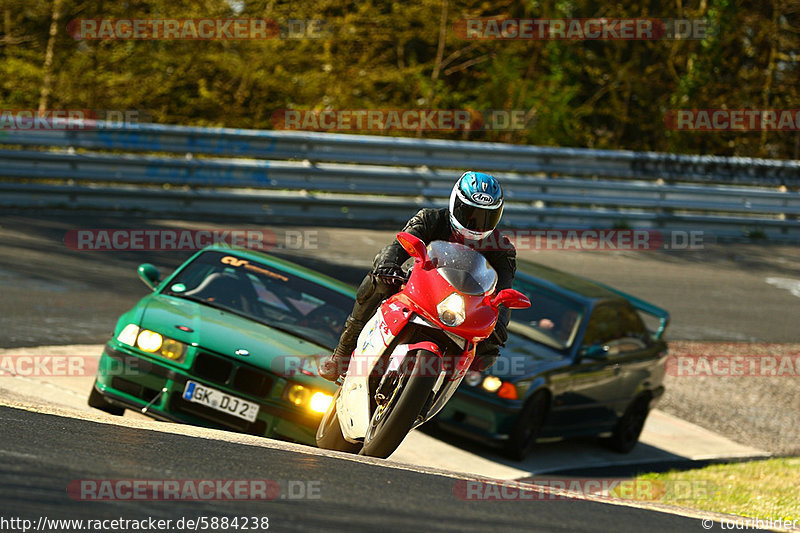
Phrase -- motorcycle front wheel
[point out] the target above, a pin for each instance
(393, 418)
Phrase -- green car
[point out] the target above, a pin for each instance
(230, 340)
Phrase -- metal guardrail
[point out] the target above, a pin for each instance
(334, 178)
(363, 149)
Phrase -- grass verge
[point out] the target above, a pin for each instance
(766, 489)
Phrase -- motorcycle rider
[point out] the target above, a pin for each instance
(476, 205)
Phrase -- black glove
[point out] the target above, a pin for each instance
(390, 274)
(484, 361)
(500, 334)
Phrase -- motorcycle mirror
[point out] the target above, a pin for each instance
(415, 248)
(513, 299)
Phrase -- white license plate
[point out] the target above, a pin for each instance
(195, 392)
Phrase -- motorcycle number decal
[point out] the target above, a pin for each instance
(373, 338)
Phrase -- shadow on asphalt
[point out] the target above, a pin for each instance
(634, 470)
(662, 461)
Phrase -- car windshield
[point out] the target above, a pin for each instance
(550, 320)
(265, 294)
(462, 267)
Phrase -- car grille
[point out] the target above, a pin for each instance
(240, 378)
(212, 368)
(251, 381)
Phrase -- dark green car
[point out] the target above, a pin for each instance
(580, 361)
(230, 340)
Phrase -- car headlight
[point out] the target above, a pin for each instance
(172, 349)
(451, 310)
(128, 334)
(302, 396)
(152, 342)
(504, 389)
(320, 402)
(492, 383)
(298, 395)
(149, 341)
(472, 378)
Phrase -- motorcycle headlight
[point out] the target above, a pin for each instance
(451, 310)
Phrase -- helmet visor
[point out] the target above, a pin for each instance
(475, 218)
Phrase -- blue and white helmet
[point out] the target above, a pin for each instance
(476, 205)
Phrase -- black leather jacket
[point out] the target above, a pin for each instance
(434, 225)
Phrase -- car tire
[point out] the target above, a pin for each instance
(523, 437)
(629, 427)
(329, 432)
(401, 417)
(98, 401)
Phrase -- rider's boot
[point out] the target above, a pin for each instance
(336, 365)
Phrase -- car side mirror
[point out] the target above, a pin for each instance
(415, 248)
(511, 298)
(595, 351)
(150, 275)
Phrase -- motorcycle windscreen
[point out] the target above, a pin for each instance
(463, 268)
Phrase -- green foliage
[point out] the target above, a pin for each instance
(378, 54)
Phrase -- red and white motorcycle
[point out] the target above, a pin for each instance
(415, 350)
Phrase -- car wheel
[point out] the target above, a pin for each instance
(526, 429)
(329, 432)
(97, 401)
(629, 427)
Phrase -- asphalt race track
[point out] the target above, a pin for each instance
(41, 454)
(53, 295)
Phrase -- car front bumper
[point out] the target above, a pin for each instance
(478, 417)
(133, 382)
